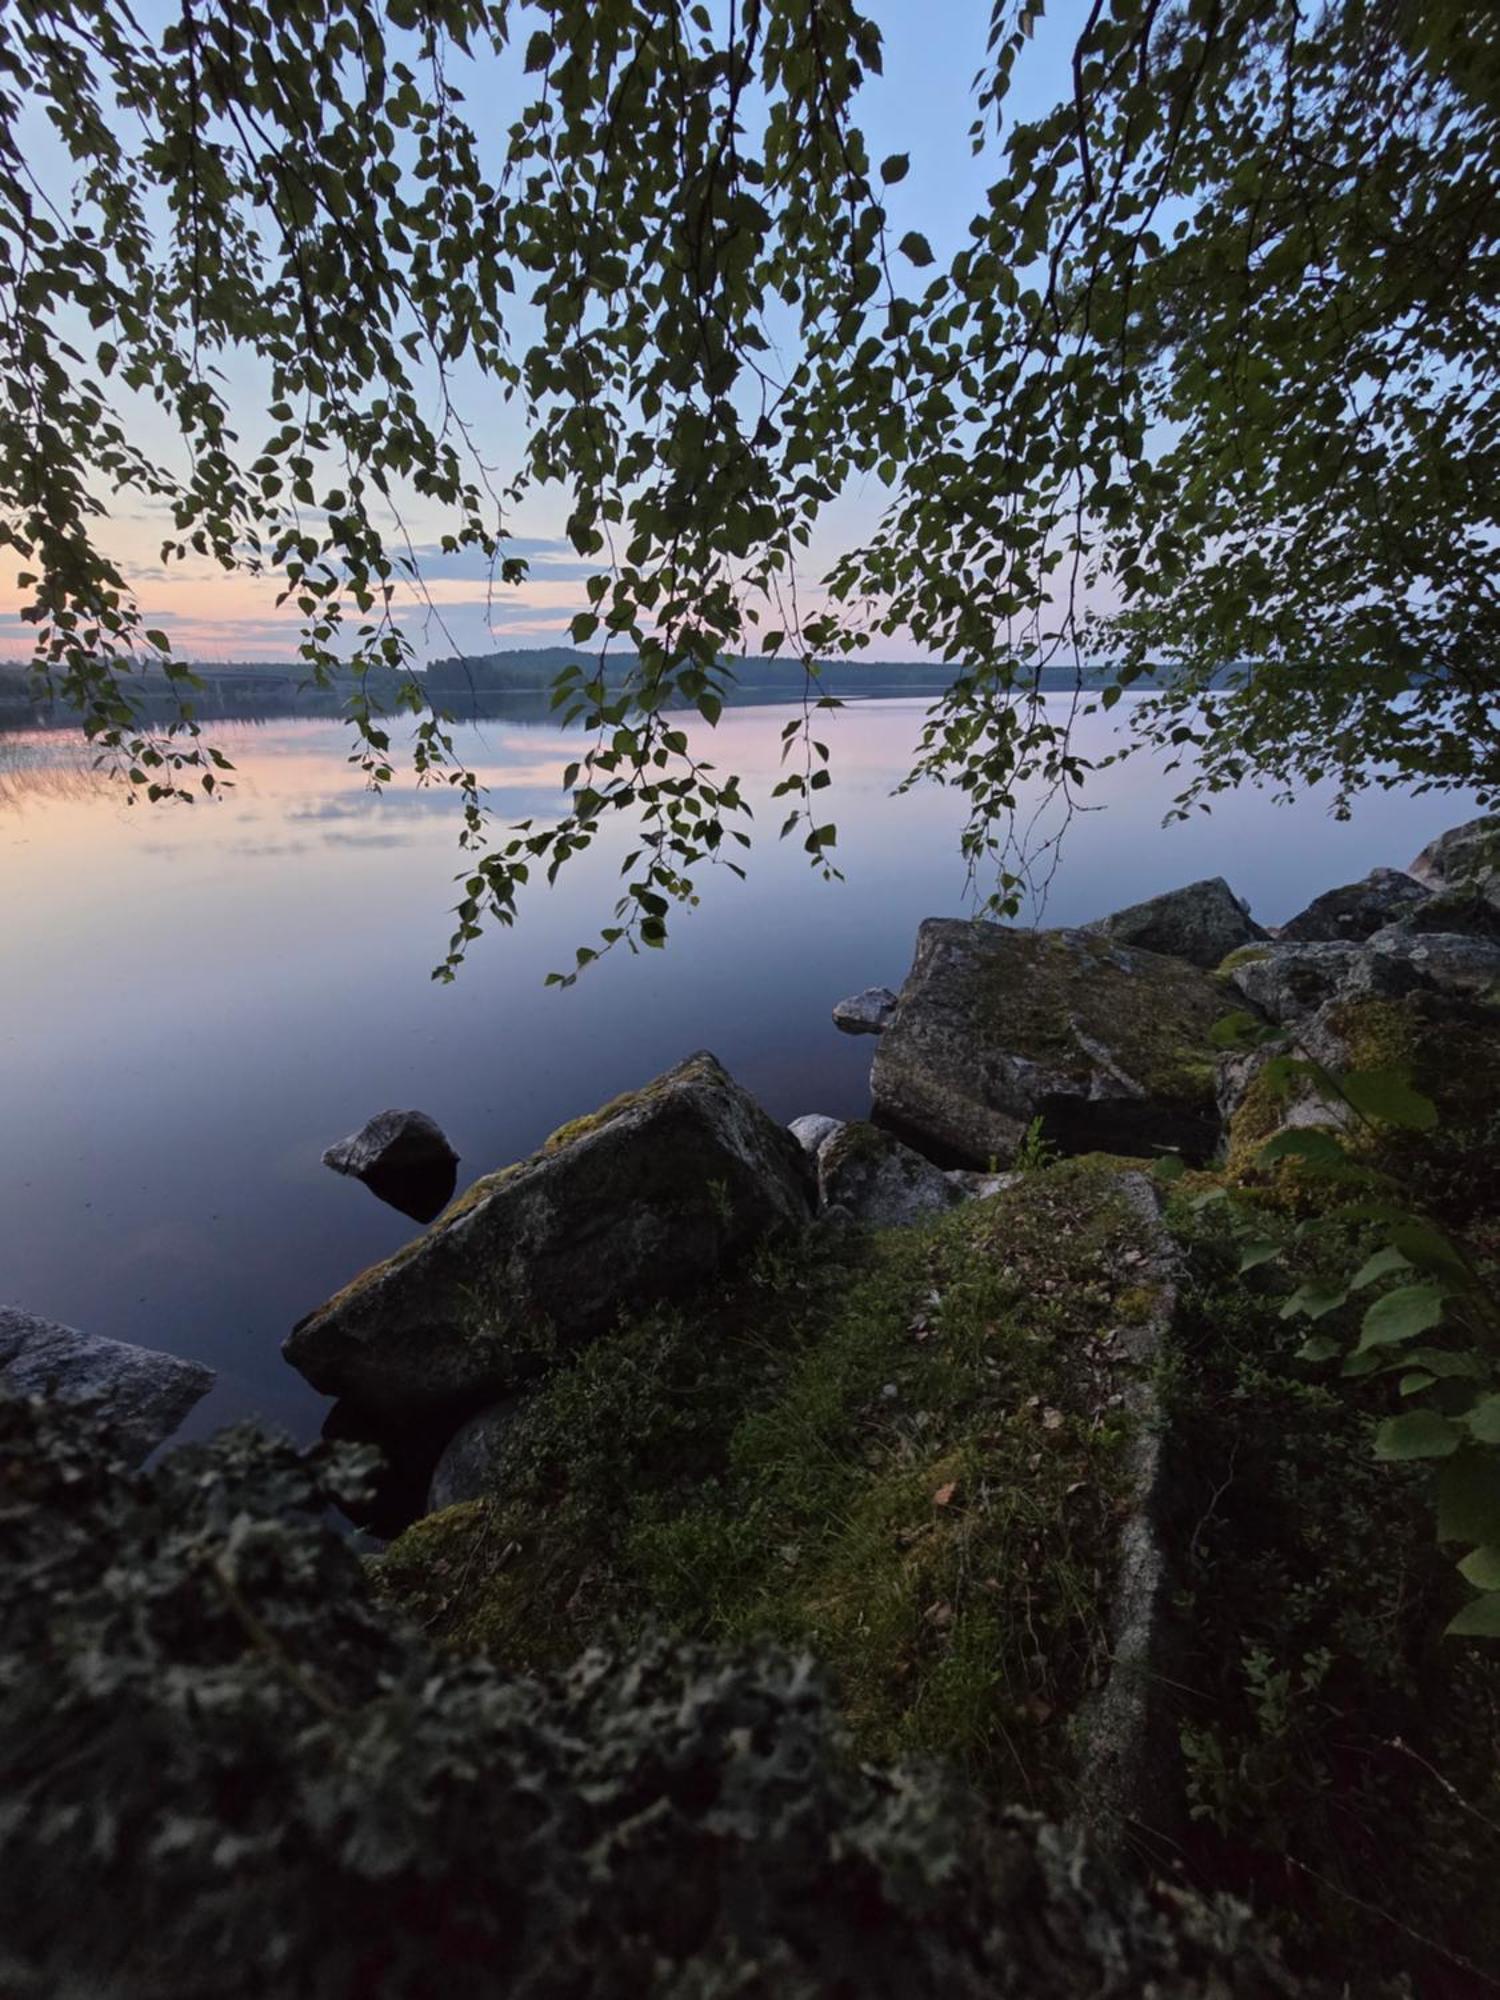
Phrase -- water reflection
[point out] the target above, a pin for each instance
(196, 998)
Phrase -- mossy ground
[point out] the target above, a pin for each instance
(900, 1450)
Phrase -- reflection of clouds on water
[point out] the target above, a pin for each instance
(366, 839)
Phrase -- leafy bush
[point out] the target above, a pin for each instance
(222, 1770)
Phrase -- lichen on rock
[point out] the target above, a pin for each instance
(1106, 1044)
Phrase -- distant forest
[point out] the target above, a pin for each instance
(459, 682)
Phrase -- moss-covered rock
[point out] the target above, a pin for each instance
(1107, 1045)
(1464, 854)
(1356, 910)
(1200, 923)
(643, 1200)
(907, 1451)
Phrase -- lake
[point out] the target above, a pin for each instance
(198, 1001)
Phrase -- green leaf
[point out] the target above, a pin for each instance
(1484, 1420)
(1314, 1148)
(1468, 1499)
(1259, 1252)
(1401, 1315)
(1479, 1619)
(915, 247)
(1318, 1347)
(1169, 1167)
(1379, 1266)
(895, 168)
(1421, 1434)
(1481, 1567)
(539, 51)
(1387, 1095)
(1413, 1383)
(1314, 1299)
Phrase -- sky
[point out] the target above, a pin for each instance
(920, 106)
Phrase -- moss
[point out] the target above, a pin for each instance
(896, 1449)
(1247, 954)
(594, 1121)
(1065, 992)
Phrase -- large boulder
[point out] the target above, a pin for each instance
(1107, 1045)
(1357, 910)
(879, 1182)
(1202, 923)
(639, 1201)
(1291, 982)
(1467, 853)
(142, 1394)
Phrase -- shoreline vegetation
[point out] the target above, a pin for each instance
(465, 685)
(757, 1497)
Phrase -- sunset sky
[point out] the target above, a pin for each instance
(920, 106)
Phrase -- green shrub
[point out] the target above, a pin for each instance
(224, 1771)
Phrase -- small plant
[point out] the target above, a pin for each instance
(1035, 1153)
(1436, 1327)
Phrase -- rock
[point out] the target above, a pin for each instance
(880, 1182)
(1357, 910)
(640, 1201)
(1107, 1045)
(1129, 1788)
(1467, 853)
(1202, 923)
(812, 1129)
(472, 1465)
(866, 1013)
(404, 1157)
(978, 1187)
(1470, 910)
(144, 1394)
(1290, 982)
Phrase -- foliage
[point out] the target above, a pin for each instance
(900, 1450)
(1212, 387)
(1340, 1757)
(222, 1769)
(1429, 1312)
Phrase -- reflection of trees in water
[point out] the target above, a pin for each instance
(37, 769)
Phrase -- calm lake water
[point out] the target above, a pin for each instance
(197, 1002)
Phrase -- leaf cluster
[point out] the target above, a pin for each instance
(221, 1766)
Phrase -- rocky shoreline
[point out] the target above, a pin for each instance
(972, 1399)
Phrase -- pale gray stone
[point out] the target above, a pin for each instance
(866, 1013)
(813, 1128)
(143, 1393)
(879, 1181)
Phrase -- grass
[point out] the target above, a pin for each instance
(900, 1450)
